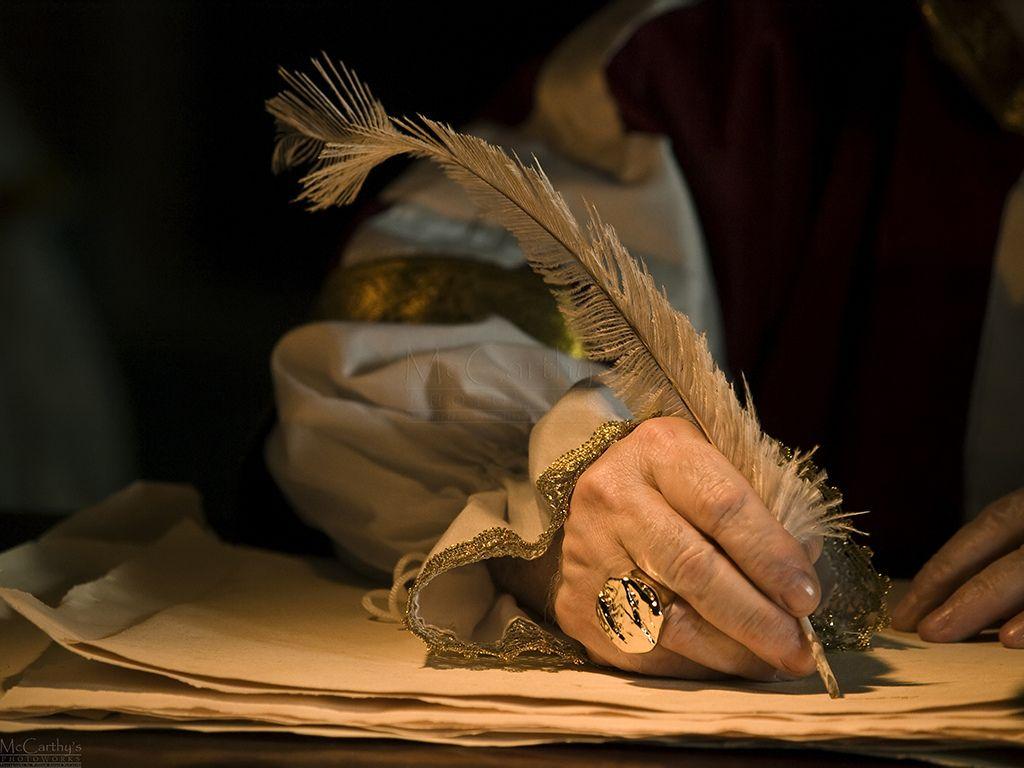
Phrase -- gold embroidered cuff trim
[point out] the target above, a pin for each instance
(854, 613)
(521, 636)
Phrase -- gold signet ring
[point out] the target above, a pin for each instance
(631, 610)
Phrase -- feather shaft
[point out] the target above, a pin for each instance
(657, 361)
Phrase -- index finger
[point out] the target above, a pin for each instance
(701, 485)
(674, 553)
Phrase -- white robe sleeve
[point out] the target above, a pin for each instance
(384, 431)
(402, 438)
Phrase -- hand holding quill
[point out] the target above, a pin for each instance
(658, 363)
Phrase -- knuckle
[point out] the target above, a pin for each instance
(719, 500)
(977, 589)
(655, 434)
(596, 488)
(982, 588)
(755, 627)
(656, 439)
(773, 566)
(1006, 513)
(935, 572)
(692, 568)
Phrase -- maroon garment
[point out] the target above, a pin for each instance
(850, 189)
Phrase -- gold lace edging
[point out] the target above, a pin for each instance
(856, 611)
(522, 635)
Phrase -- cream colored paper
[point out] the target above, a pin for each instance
(279, 641)
(81, 548)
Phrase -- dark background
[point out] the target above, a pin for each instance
(153, 172)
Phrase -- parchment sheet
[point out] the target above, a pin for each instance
(172, 626)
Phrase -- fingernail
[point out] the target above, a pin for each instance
(801, 596)
(1013, 636)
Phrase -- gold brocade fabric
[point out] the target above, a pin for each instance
(522, 636)
(440, 289)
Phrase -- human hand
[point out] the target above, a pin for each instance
(664, 500)
(974, 581)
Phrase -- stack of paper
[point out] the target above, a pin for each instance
(132, 614)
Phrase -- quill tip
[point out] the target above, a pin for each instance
(831, 684)
(821, 661)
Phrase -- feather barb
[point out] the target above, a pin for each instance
(657, 361)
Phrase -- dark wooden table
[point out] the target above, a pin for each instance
(156, 748)
(164, 749)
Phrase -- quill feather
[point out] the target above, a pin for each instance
(658, 362)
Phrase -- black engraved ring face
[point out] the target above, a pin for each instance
(630, 613)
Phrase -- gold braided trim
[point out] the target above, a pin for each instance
(856, 611)
(522, 635)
